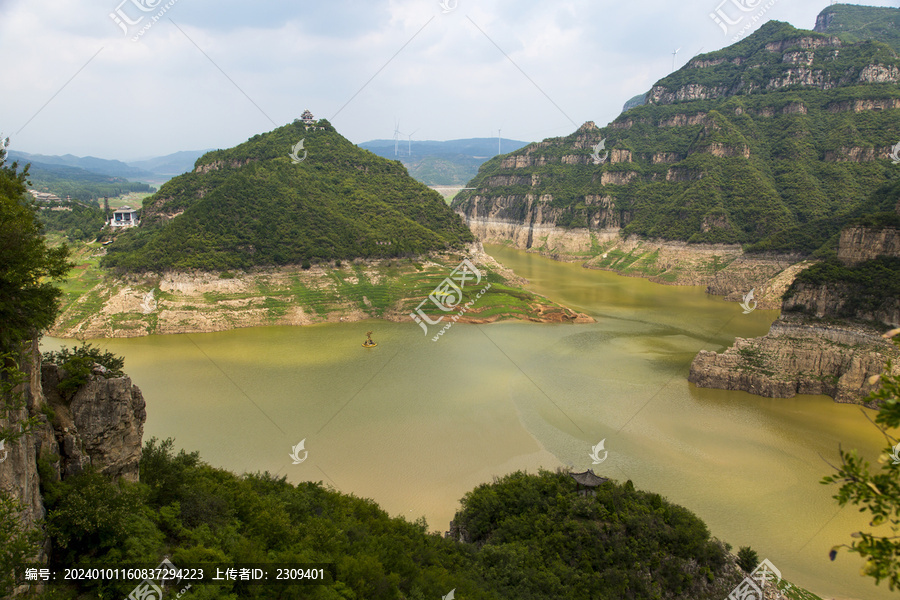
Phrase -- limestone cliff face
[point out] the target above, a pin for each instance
(702, 157)
(101, 426)
(859, 244)
(798, 358)
(831, 301)
(819, 345)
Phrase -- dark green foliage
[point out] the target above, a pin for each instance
(93, 521)
(28, 300)
(537, 537)
(879, 221)
(762, 165)
(76, 365)
(89, 516)
(81, 223)
(17, 545)
(747, 558)
(254, 206)
(853, 23)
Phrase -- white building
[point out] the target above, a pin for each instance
(124, 217)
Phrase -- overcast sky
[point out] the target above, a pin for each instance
(212, 73)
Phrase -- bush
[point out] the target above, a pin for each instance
(78, 363)
(747, 558)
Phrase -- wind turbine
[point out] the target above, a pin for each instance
(674, 54)
(410, 141)
(498, 140)
(396, 137)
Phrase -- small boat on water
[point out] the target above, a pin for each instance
(369, 343)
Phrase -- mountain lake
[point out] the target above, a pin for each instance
(414, 424)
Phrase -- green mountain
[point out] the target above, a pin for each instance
(774, 142)
(854, 23)
(253, 205)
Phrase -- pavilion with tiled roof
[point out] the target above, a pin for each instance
(587, 481)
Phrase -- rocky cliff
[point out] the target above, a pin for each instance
(100, 426)
(828, 339)
(764, 146)
(800, 357)
(859, 244)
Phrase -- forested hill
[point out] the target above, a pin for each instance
(853, 23)
(774, 142)
(255, 205)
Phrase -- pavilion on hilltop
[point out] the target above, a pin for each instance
(587, 482)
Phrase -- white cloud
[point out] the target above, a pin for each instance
(162, 94)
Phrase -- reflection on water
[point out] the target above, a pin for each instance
(415, 424)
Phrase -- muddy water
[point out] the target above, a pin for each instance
(414, 424)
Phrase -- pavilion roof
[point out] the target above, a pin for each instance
(588, 478)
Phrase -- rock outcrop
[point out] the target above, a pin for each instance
(797, 357)
(101, 425)
(823, 343)
(859, 244)
(834, 300)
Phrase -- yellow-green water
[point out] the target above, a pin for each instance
(414, 424)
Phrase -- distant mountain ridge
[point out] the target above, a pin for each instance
(102, 166)
(170, 164)
(775, 142)
(298, 194)
(150, 169)
(451, 162)
(79, 184)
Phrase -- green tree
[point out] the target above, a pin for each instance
(876, 493)
(747, 558)
(18, 543)
(28, 299)
(28, 304)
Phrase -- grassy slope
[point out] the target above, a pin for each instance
(389, 289)
(855, 23)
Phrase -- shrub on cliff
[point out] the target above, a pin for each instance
(17, 543)
(77, 364)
